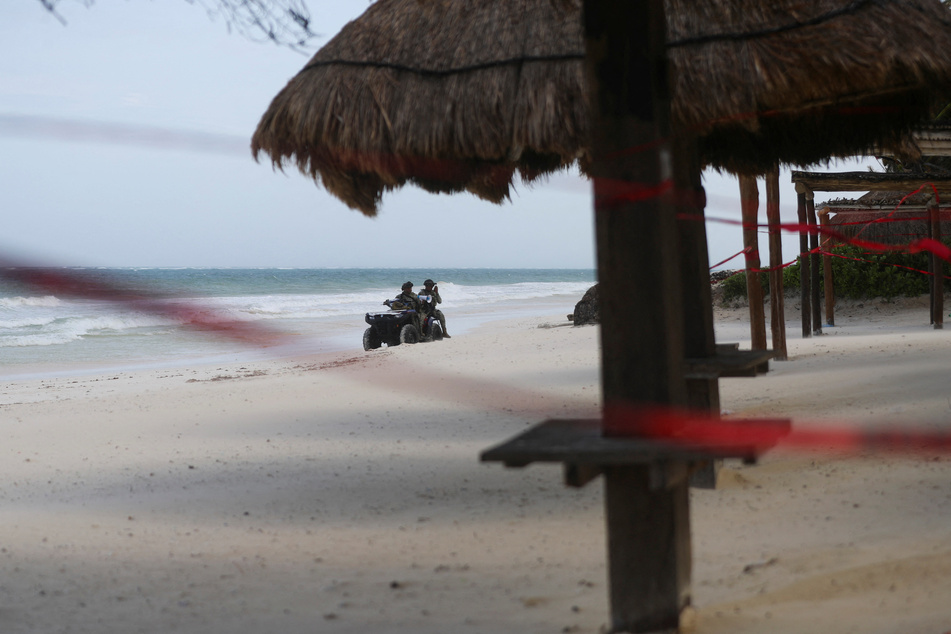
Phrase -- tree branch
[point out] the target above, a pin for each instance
(284, 22)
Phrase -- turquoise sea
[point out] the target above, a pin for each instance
(50, 331)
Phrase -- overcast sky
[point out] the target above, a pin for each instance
(124, 141)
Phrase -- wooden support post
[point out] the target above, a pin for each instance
(690, 200)
(937, 268)
(749, 203)
(645, 524)
(805, 277)
(930, 278)
(829, 284)
(777, 303)
(814, 262)
(699, 340)
(642, 321)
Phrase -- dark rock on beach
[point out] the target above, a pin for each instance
(718, 276)
(587, 311)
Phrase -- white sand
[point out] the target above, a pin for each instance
(343, 493)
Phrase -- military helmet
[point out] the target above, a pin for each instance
(407, 286)
(428, 283)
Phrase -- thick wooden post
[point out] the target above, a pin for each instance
(642, 322)
(749, 203)
(646, 527)
(829, 285)
(814, 262)
(805, 277)
(690, 200)
(777, 299)
(703, 393)
(937, 268)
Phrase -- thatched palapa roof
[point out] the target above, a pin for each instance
(899, 228)
(797, 82)
(886, 217)
(446, 95)
(460, 95)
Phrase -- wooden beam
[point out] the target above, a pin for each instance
(580, 443)
(642, 321)
(749, 204)
(829, 286)
(703, 392)
(937, 268)
(814, 263)
(869, 181)
(730, 362)
(905, 211)
(646, 524)
(578, 475)
(642, 332)
(690, 200)
(777, 303)
(805, 277)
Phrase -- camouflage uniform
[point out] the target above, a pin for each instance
(408, 300)
(430, 288)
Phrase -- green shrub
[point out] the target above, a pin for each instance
(791, 276)
(857, 274)
(879, 274)
(734, 287)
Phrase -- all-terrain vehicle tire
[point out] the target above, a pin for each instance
(436, 332)
(371, 340)
(409, 334)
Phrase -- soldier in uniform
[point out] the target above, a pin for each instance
(406, 299)
(430, 288)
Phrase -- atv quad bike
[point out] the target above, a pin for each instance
(399, 325)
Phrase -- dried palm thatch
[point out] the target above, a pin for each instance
(886, 217)
(460, 95)
(797, 82)
(446, 95)
(898, 229)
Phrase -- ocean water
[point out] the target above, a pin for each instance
(70, 328)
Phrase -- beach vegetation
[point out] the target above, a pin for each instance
(858, 274)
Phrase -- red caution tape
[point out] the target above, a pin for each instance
(702, 430)
(928, 245)
(611, 193)
(698, 430)
(76, 284)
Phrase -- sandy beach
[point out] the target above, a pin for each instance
(342, 492)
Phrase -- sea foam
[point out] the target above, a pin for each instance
(322, 307)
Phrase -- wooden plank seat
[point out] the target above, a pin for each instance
(729, 362)
(581, 446)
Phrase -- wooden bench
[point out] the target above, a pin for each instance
(580, 445)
